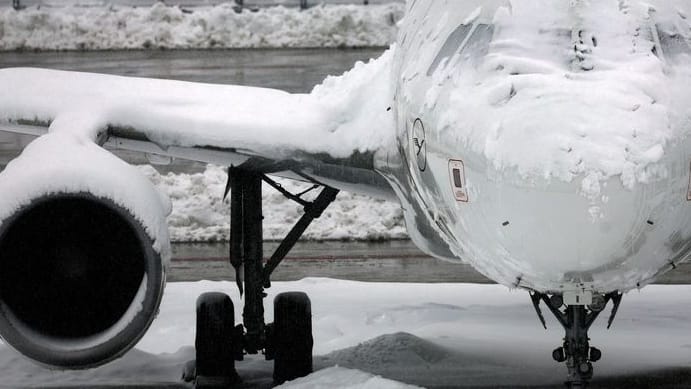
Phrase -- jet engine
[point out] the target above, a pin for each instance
(80, 281)
(83, 250)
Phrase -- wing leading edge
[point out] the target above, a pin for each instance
(328, 136)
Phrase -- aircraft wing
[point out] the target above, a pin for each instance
(328, 136)
(76, 219)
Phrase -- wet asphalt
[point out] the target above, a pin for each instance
(387, 261)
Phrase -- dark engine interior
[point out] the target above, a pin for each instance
(70, 265)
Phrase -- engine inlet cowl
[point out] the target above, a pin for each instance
(80, 281)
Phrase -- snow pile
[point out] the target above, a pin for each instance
(537, 106)
(391, 349)
(338, 377)
(200, 214)
(160, 26)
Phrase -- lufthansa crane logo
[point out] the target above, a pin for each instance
(419, 146)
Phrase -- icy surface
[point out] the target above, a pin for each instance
(160, 26)
(200, 214)
(610, 108)
(428, 335)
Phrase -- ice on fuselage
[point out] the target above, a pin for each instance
(530, 105)
(569, 121)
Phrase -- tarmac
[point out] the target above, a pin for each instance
(387, 261)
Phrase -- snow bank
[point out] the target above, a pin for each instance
(160, 26)
(200, 214)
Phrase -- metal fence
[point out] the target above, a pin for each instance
(19, 4)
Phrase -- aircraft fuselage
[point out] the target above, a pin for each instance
(549, 152)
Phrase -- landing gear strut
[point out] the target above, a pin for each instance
(288, 341)
(576, 320)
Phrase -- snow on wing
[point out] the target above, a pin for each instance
(342, 122)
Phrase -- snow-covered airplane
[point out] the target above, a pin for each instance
(544, 142)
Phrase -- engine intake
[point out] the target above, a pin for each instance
(80, 281)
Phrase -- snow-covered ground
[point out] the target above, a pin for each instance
(161, 26)
(200, 214)
(445, 335)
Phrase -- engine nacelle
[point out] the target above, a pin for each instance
(80, 280)
(83, 248)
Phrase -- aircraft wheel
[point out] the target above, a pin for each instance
(215, 363)
(291, 335)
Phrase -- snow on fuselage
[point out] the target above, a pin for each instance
(544, 142)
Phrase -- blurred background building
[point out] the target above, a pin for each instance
(189, 3)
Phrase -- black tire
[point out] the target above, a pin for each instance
(292, 336)
(214, 337)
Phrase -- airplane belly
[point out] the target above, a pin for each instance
(549, 235)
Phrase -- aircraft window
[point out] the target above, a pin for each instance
(478, 44)
(450, 47)
(457, 178)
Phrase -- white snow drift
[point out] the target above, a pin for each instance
(200, 214)
(160, 26)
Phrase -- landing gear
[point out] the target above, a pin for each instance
(288, 340)
(576, 320)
